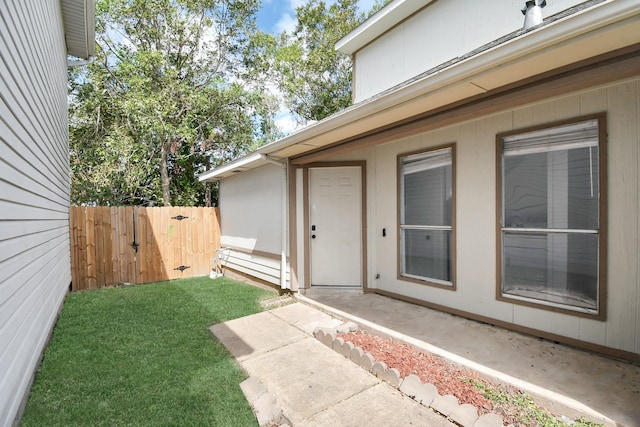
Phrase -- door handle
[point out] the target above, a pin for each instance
(313, 236)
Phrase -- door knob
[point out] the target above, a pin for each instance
(313, 236)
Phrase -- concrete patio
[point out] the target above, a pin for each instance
(572, 380)
(294, 380)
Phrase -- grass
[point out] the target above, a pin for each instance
(143, 355)
(524, 410)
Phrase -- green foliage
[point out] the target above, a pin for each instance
(167, 97)
(162, 103)
(525, 410)
(313, 77)
(143, 355)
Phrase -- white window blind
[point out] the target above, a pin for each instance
(580, 135)
(426, 213)
(426, 161)
(550, 216)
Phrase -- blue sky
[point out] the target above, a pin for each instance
(276, 16)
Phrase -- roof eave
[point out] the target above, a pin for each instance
(532, 47)
(250, 161)
(79, 27)
(387, 17)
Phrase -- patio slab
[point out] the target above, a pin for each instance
(313, 384)
(567, 380)
(299, 316)
(363, 410)
(257, 334)
(304, 383)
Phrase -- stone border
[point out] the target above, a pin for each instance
(264, 404)
(448, 406)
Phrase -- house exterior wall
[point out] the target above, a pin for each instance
(300, 231)
(476, 216)
(251, 208)
(438, 33)
(35, 267)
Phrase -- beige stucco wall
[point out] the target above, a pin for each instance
(439, 33)
(476, 215)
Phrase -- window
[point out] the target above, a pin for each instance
(550, 229)
(426, 213)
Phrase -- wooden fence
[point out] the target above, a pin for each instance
(117, 245)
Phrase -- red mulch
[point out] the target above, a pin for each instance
(446, 376)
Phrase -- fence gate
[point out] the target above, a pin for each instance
(116, 245)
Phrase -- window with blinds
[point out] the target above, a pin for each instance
(550, 219)
(426, 216)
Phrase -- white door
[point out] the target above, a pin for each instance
(335, 226)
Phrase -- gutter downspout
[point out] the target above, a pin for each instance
(81, 62)
(284, 164)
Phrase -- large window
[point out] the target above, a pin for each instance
(426, 216)
(551, 216)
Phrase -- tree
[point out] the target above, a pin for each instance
(162, 102)
(314, 79)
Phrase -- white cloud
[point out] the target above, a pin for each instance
(295, 3)
(286, 23)
(286, 123)
(207, 42)
(288, 20)
(284, 119)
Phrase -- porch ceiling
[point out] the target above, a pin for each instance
(586, 34)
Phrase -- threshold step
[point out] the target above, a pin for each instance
(331, 290)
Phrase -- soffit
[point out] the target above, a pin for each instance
(79, 27)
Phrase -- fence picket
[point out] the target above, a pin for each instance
(108, 245)
(102, 254)
(99, 242)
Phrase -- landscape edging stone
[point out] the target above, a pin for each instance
(427, 394)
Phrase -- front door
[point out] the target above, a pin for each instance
(335, 222)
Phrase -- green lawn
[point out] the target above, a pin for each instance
(143, 355)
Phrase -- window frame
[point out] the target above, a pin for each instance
(601, 303)
(448, 285)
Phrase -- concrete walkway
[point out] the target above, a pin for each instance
(312, 384)
(564, 378)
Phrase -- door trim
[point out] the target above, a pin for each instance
(362, 164)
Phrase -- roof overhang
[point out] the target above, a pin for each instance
(587, 33)
(79, 27)
(250, 161)
(387, 17)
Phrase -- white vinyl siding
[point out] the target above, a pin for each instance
(35, 270)
(251, 221)
(264, 268)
